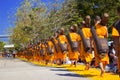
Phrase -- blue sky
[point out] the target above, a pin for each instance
(7, 10)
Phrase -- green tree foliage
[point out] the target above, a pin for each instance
(2, 46)
(36, 21)
(30, 22)
(98, 7)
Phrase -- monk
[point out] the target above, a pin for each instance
(81, 56)
(101, 30)
(34, 52)
(87, 55)
(42, 52)
(40, 56)
(30, 52)
(116, 37)
(37, 52)
(62, 41)
(50, 50)
(46, 56)
(73, 51)
(57, 49)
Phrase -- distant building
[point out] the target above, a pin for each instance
(9, 46)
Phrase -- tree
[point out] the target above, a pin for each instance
(36, 21)
(29, 24)
(98, 7)
(2, 46)
(63, 14)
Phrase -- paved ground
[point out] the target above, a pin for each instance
(14, 69)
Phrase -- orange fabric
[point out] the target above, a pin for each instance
(55, 53)
(63, 40)
(40, 57)
(59, 54)
(101, 32)
(75, 37)
(73, 55)
(86, 32)
(43, 47)
(85, 55)
(46, 56)
(51, 57)
(115, 32)
(50, 44)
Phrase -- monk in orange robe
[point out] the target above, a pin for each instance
(39, 46)
(46, 56)
(102, 32)
(30, 53)
(87, 55)
(50, 50)
(42, 52)
(57, 50)
(116, 37)
(37, 52)
(74, 51)
(62, 41)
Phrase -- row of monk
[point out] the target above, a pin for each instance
(78, 43)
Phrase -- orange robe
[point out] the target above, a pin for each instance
(30, 52)
(46, 57)
(40, 57)
(87, 56)
(35, 54)
(55, 52)
(102, 33)
(43, 47)
(51, 57)
(115, 33)
(61, 55)
(73, 55)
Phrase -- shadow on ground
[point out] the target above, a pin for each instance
(70, 75)
(76, 70)
(89, 75)
(76, 75)
(58, 70)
